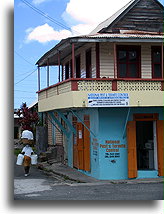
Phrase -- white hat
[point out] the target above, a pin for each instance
(27, 134)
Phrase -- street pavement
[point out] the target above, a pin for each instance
(46, 185)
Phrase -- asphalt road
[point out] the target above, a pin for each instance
(41, 186)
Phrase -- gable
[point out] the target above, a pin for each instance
(144, 15)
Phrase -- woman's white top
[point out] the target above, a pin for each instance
(27, 150)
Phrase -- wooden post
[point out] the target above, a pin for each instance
(48, 73)
(62, 72)
(97, 61)
(73, 61)
(115, 54)
(59, 65)
(162, 59)
(38, 78)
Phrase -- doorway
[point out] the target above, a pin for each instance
(146, 145)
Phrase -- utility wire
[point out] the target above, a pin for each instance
(25, 91)
(25, 77)
(47, 16)
(23, 58)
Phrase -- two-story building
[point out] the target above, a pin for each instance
(105, 115)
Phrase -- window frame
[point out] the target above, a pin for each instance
(128, 48)
(153, 48)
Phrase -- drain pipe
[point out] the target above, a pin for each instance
(127, 117)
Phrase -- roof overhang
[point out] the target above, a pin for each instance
(61, 50)
(64, 48)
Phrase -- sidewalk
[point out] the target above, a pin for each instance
(75, 175)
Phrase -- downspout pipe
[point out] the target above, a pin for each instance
(127, 117)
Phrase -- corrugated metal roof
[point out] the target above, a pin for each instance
(123, 35)
(98, 37)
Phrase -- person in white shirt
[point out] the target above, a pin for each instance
(27, 151)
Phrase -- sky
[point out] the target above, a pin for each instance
(39, 25)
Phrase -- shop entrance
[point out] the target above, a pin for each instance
(146, 145)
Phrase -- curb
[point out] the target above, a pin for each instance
(67, 177)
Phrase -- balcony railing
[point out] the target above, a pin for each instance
(101, 85)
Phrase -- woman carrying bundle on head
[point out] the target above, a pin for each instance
(27, 151)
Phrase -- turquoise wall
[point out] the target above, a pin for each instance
(111, 128)
(108, 126)
(112, 123)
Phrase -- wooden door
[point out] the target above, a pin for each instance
(86, 144)
(160, 147)
(132, 151)
(80, 146)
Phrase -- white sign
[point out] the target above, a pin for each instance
(80, 134)
(108, 99)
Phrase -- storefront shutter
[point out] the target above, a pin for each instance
(80, 146)
(160, 147)
(132, 152)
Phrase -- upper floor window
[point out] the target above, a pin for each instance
(156, 62)
(128, 61)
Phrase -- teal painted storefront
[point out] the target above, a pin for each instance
(108, 141)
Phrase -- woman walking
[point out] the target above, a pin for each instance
(27, 151)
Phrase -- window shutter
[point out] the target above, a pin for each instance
(132, 151)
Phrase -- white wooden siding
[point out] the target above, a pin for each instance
(146, 68)
(93, 60)
(106, 60)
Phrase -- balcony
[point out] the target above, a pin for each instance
(74, 92)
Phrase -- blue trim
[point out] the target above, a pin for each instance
(59, 124)
(83, 123)
(127, 118)
(55, 126)
(147, 174)
(66, 121)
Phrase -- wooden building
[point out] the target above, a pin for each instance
(106, 111)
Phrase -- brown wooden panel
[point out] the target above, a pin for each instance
(145, 117)
(160, 147)
(132, 151)
(80, 146)
(143, 16)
